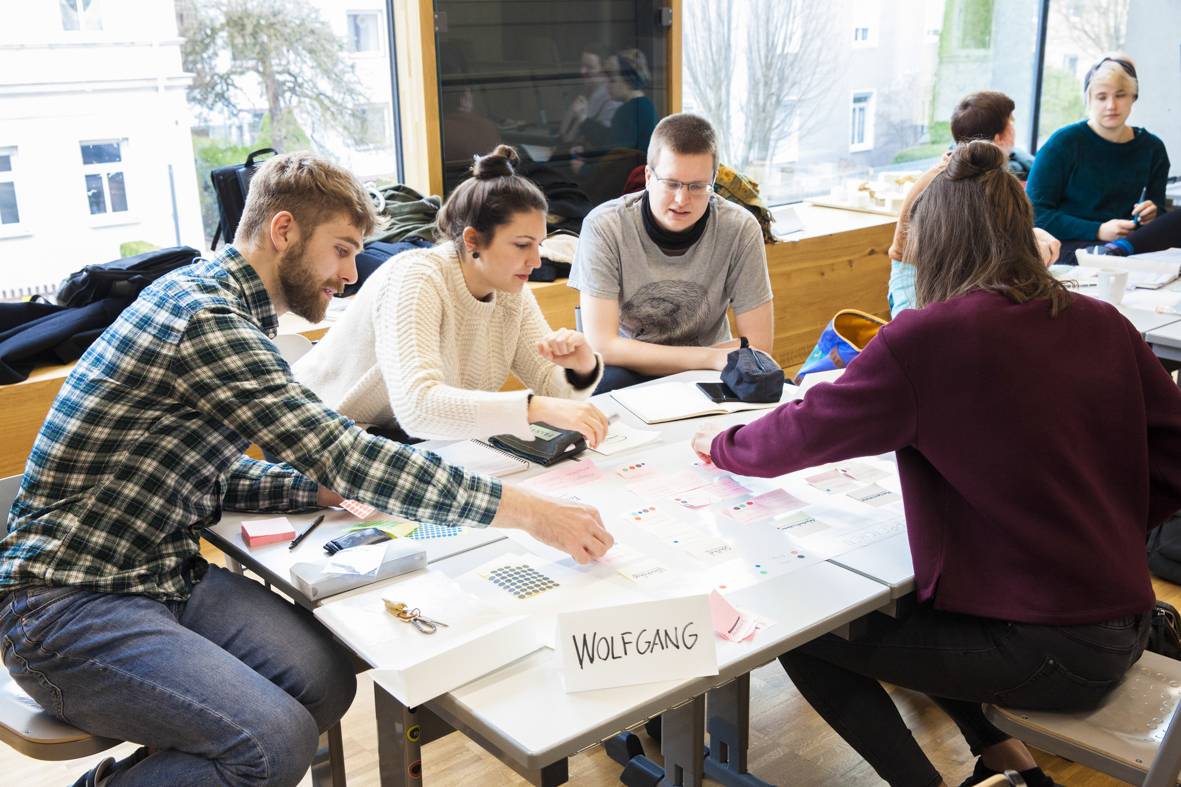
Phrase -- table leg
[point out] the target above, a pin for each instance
(682, 742)
(729, 734)
(401, 732)
(328, 765)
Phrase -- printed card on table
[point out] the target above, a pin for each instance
(635, 471)
(874, 495)
(568, 474)
(752, 509)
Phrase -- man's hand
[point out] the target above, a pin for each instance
(568, 349)
(1048, 245)
(574, 528)
(702, 441)
(326, 497)
(1115, 229)
(582, 417)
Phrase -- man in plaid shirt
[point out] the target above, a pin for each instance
(109, 616)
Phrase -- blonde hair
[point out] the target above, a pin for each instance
(1113, 70)
(309, 187)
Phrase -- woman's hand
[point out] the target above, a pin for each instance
(1146, 210)
(1048, 245)
(568, 349)
(579, 108)
(582, 417)
(1115, 229)
(703, 440)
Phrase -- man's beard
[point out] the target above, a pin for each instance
(301, 290)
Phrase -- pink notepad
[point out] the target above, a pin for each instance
(256, 532)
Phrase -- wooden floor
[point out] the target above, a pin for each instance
(790, 745)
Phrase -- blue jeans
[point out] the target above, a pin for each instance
(615, 377)
(231, 687)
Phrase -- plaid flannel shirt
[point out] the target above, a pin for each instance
(144, 444)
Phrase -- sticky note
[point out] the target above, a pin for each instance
(256, 532)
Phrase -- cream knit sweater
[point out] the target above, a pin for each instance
(416, 343)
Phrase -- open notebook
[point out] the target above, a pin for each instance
(655, 404)
(477, 456)
(1149, 271)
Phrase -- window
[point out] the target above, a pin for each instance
(80, 15)
(371, 124)
(866, 18)
(861, 137)
(974, 20)
(102, 169)
(363, 27)
(863, 95)
(9, 211)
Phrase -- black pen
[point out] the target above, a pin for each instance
(304, 534)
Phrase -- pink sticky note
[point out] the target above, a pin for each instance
(564, 476)
(728, 621)
(358, 509)
(669, 485)
(256, 532)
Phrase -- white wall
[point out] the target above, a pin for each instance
(59, 88)
(1158, 64)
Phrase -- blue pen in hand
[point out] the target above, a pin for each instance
(1143, 194)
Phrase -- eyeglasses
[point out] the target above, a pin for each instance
(673, 186)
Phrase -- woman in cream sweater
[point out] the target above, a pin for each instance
(433, 335)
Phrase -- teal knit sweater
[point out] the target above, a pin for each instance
(1080, 180)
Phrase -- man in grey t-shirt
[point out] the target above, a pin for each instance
(658, 270)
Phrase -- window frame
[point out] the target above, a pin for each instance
(93, 14)
(108, 217)
(378, 44)
(12, 175)
(867, 128)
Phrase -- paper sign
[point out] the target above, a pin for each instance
(661, 485)
(670, 639)
(635, 470)
(650, 515)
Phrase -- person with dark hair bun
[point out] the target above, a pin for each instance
(1038, 441)
(434, 335)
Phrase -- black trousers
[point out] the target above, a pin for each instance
(960, 661)
(619, 377)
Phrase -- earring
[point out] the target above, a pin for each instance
(475, 255)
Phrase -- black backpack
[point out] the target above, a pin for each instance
(122, 278)
(231, 184)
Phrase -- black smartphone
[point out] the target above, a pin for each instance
(718, 392)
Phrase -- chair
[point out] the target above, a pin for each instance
(1135, 735)
(24, 725)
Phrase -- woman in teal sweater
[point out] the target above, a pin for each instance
(1101, 182)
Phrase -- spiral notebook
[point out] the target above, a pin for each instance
(477, 456)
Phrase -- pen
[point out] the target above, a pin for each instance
(1143, 194)
(304, 534)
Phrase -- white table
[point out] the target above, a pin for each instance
(521, 712)
(1165, 341)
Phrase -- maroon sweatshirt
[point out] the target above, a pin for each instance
(1034, 452)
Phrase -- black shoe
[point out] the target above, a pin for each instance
(1034, 777)
(109, 767)
(98, 775)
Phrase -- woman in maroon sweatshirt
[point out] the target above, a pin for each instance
(1038, 440)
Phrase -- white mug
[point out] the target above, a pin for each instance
(1111, 286)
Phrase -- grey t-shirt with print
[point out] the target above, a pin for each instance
(666, 299)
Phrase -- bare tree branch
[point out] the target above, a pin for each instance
(709, 63)
(1103, 24)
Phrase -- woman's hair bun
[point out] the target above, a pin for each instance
(500, 163)
(975, 158)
